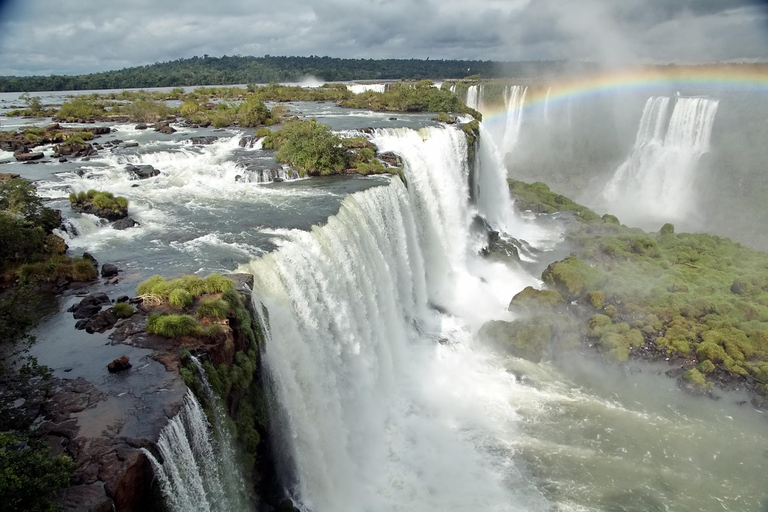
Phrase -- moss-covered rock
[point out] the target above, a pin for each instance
(572, 277)
(597, 299)
(532, 299)
(694, 381)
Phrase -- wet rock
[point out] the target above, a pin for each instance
(62, 160)
(675, 372)
(73, 150)
(130, 144)
(112, 280)
(101, 322)
(164, 127)
(119, 365)
(89, 305)
(85, 498)
(123, 298)
(141, 126)
(108, 270)
(142, 172)
(208, 140)
(125, 223)
(28, 157)
(5, 176)
(111, 214)
(390, 159)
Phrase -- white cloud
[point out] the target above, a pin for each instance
(78, 36)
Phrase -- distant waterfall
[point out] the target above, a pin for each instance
(514, 98)
(379, 416)
(546, 105)
(360, 88)
(198, 471)
(657, 181)
(475, 97)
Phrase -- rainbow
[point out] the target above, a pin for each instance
(651, 80)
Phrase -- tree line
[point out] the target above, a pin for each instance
(229, 70)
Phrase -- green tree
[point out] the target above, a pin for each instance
(310, 147)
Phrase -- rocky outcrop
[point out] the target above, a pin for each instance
(120, 364)
(164, 127)
(80, 149)
(27, 157)
(4, 176)
(142, 172)
(124, 223)
(111, 214)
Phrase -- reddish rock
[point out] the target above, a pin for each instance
(5, 176)
(118, 365)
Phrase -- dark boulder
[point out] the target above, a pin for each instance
(141, 126)
(125, 223)
(101, 322)
(111, 214)
(130, 144)
(739, 288)
(142, 172)
(118, 365)
(97, 130)
(28, 157)
(164, 127)
(108, 270)
(123, 298)
(89, 305)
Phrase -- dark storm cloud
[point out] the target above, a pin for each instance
(77, 36)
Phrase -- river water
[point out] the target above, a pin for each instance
(385, 401)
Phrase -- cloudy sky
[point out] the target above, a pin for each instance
(83, 36)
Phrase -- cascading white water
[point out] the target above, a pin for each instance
(475, 97)
(514, 98)
(546, 105)
(376, 414)
(360, 88)
(657, 181)
(198, 471)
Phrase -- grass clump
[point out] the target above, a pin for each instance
(172, 326)
(216, 283)
(180, 298)
(57, 267)
(213, 308)
(123, 310)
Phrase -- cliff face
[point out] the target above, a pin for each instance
(105, 421)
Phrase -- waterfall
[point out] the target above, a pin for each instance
(657, 181)
(514, 98)
(386, 404)
(475, 97)
(360, 88)
(198, 469)
(546, 106)
(491, 188)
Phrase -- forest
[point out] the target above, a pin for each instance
(229, 70)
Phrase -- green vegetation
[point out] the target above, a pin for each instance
(533, 299)
(57, 267)
(237, 384)
(308, 146)
(695, 296)
(216, 283)
(249, 70)
(123, 310)
(97, 199)
(31, 476)
(180, 291)
(213, 308)
(538, 198)
(172, 326)
(80, 108)
(420, 96)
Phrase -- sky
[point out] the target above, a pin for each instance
(41, 37)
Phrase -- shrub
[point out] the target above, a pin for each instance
(309, 147)
(56, 267)
(123, 310)
(214, 308)
(263, 132)
(216, 283)
(180, 298)
(172, 326)
(31, 475)
(80, 108)
(232, 298)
